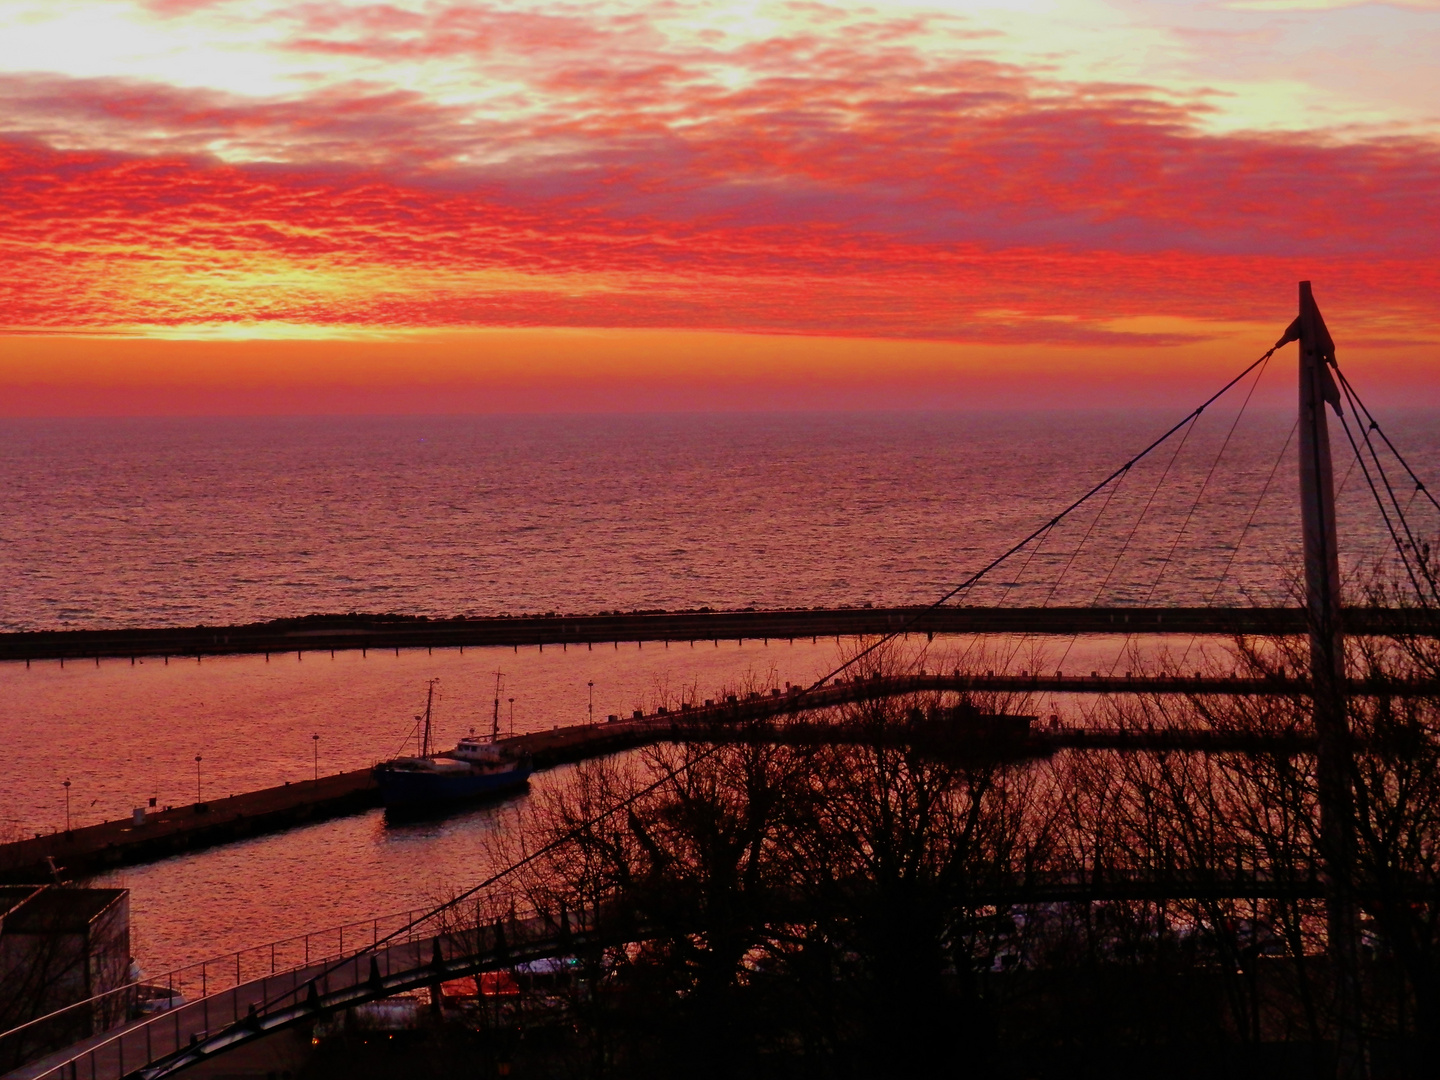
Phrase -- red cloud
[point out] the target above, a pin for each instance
(858, 187)
(349, 124)
(102, 241)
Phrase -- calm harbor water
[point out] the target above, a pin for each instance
(121, 734)
(113, 523)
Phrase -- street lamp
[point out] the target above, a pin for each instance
(591, 684)
(197, 779)
(512, 716)
(316, 740)
(67, 805)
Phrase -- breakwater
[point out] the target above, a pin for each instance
(174, 830)
(315, 633)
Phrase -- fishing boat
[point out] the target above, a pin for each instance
(477, 767)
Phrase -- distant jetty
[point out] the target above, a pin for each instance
(329, 633)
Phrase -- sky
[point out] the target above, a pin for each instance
(242, 206)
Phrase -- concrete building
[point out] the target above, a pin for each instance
(60, 945)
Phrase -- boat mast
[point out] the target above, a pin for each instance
(495, 722)
(429, 700)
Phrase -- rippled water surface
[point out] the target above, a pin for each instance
(145, 522)
(133, 523)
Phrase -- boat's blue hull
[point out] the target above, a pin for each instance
(415, 790)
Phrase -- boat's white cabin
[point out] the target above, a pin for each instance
(473, 748)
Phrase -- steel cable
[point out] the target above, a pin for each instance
(1384, 514)
(1139, 520)
(1390, 490)
(1194, 505)
(1375, 424)
(1240, 540)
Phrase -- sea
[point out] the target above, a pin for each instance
(180, 522)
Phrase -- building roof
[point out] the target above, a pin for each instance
(59, 910)
(12, 896)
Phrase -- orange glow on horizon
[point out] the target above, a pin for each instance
(567, 370)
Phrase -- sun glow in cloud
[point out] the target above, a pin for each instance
(1062, 173)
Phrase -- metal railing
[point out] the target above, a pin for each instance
(194, 982)
(416, 944)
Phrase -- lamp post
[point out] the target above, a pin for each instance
(315, 740)
(591, 684)
(197, 779)
(67, 804)
(512, 716)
